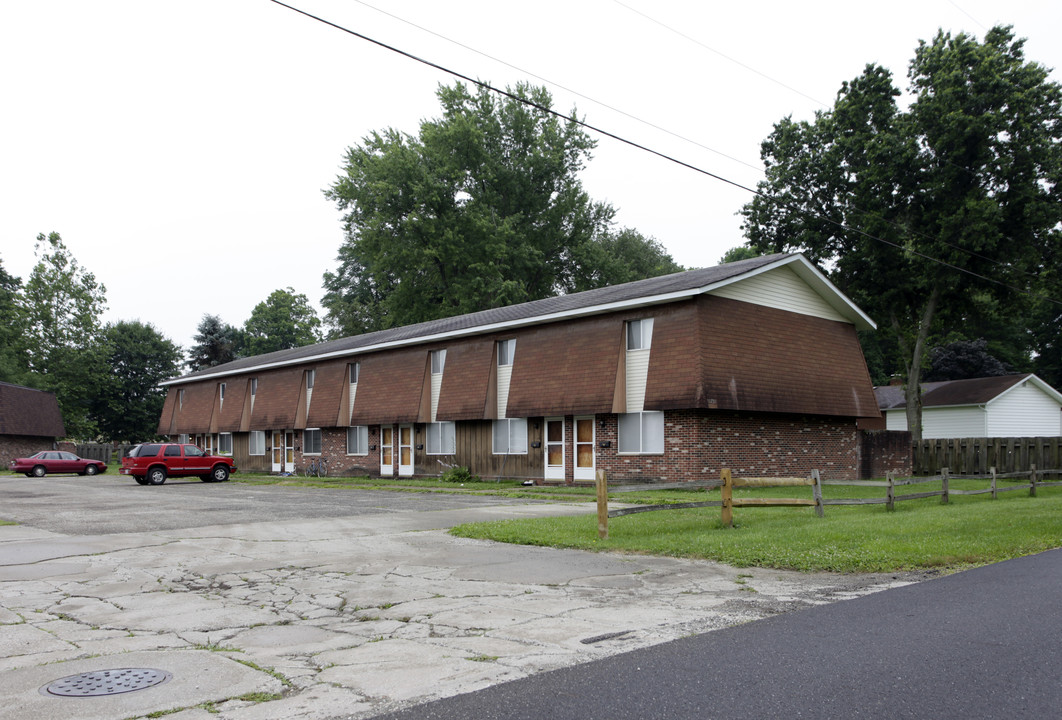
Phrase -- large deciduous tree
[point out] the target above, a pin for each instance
(127, 404)
(63, 303)
(285, 319)
(910, 210)
(14, 362)
(483, 208)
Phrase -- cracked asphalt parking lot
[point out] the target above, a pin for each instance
(272, 602)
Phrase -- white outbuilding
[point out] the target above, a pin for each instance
(1003, 406)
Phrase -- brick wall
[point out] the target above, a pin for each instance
(19, 446)
(701, 443)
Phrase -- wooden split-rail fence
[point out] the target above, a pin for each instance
(727, 482)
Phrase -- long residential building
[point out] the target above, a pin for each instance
(753, 365)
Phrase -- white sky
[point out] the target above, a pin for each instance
(180, 148)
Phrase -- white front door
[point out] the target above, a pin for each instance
(554, 448)
(283, 451)
(387, 447)
(583, 438)
(405, 450)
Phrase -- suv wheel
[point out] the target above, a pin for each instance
(220, 473)
(156, 476)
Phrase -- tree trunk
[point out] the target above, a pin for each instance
(915, 354)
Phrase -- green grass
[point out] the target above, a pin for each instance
(919, 534)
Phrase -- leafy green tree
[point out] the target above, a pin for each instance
(215, 343)
(14, 362)
(63, 302)
(483, 208)
(284, 320)
(127, 405)
(741, 252)
(968, 175)
(617, 257)
(963, 359)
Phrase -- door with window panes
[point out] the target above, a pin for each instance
(583, 440)
(387, 447)
(554, 448)
(405, 450)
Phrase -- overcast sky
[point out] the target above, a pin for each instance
(180, 148)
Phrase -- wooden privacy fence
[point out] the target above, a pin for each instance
(976, 456)
(728, 482)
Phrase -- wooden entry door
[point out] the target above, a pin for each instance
(387, 447)
(583, 440)
(554, 448)
(405, 450)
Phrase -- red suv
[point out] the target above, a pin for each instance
(152, 463)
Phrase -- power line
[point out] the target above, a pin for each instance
(562, 87)
(638, 146)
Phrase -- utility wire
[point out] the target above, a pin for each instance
(614, 109)
(638, 146)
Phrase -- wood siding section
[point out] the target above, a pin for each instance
(566, 368)
(465, 381)
(475, 450)
(755, 358)
(277, 399)
(391, 387)
(328, 393)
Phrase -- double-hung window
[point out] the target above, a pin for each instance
(510, 436)
(311, 441)
(256, 443)
(639, 334)
(358, 440)
(442, 438)
(225, 444)
(641, 433)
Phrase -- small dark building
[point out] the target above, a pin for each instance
(30, 421)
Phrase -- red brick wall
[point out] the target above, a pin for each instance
(19, 446)
(698, 444)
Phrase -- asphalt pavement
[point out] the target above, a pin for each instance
(985, 643)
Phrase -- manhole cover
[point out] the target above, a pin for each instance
(106, 682)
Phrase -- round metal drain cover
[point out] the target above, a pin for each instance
(106, 682)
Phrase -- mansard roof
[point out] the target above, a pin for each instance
(652, 291)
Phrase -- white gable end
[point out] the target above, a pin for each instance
(783, 289)
(1024, 411)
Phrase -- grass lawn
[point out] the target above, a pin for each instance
(919, 534)
(968, 531)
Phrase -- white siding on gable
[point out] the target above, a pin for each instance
(1024, 411)
(783, 289)
(436, 388)
(637, 374)
(505, 374)
(945, 422)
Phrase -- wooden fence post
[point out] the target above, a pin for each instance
(816, 491)
(602, 505)
(1032, 480)
(890, 491)
(944, 485)
(728, 498)
(993, 471)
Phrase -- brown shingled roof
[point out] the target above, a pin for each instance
(30, 412)
(974, 391)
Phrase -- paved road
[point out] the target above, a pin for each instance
(986, 643)
(110, 503)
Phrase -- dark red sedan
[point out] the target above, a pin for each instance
(55, 461)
